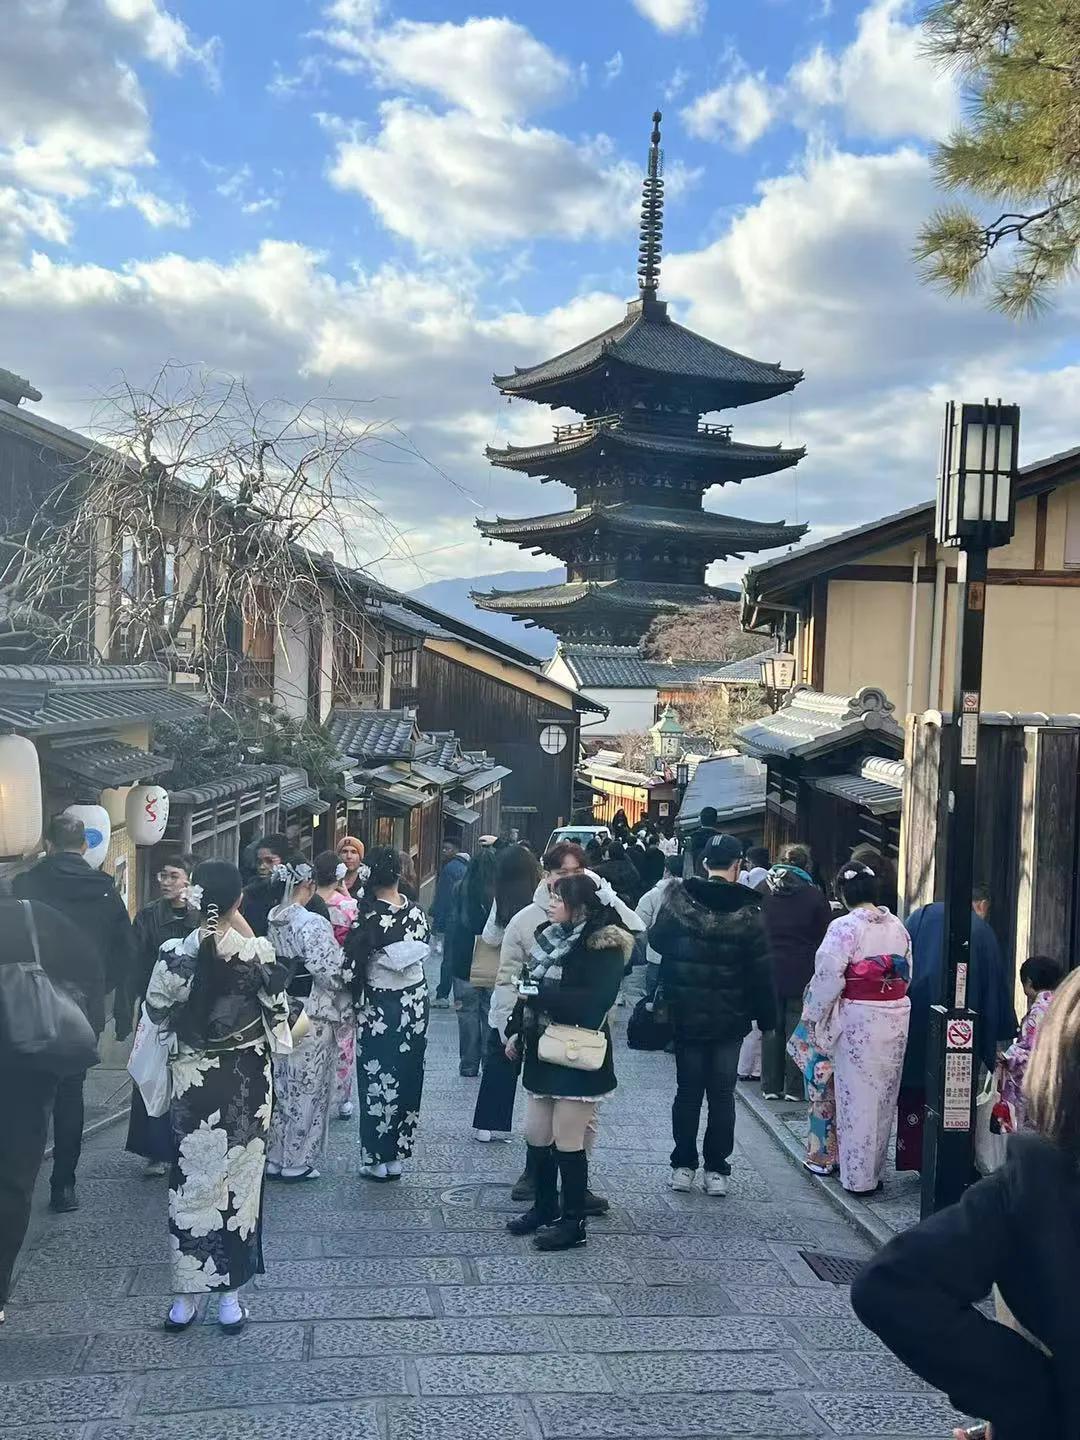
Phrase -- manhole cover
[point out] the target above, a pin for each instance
(836, 1269)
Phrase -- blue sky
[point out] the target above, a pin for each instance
(390, 201)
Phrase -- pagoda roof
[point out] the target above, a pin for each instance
(734, 461)
(647, 341)
(721, 533)
(600, 596)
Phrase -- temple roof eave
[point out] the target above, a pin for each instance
(600, 597)
(693, 527)
(734, 462)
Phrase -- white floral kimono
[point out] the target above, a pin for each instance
(866, 953)
(220, 1111)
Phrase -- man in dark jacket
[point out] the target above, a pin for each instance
(796, 916)
(715, 980)
(455, 863)
(90, 900)
(260, 895)
(707, 827)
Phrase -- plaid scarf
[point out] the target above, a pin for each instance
(550, 948)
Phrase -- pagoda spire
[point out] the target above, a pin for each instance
(651, 235)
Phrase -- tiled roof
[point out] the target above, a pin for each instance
(398, 617)
(75, 698)
(372, 734)
(483, 778)
(746, 671)
(461, 813)
(734, 785)
(247, 777)
(648, 340)
(622, 667)
(810, 723)
(601, 595)
(723, 535)
(298, 794)
(717, 460)
(106, 762)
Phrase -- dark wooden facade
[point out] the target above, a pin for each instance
(505, 719)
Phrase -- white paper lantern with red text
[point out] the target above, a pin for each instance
(98, 831)
(20, 796)
(147, 814)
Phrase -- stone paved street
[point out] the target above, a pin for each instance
(407, 1313)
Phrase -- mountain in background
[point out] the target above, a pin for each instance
(452, 596)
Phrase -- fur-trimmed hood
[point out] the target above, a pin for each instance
(611, 937)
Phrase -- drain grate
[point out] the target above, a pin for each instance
(836, 1269)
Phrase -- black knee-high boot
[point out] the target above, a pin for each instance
(570, 1229)
(545, 1206)
(525, 1184)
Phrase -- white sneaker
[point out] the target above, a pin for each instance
(374, 1172)
(683, 1180)
(715, 1184)
(393, 1169)
(484, 1136)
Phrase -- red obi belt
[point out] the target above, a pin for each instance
(877, 977)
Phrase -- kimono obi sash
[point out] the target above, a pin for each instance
(877, 977)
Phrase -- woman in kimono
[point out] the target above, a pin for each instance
(221, 994)
(388, 948)
(856, 1010)
(334, 903)
(319, 976)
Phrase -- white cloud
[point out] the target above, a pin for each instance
(23, 215)
(240, 187)
(613, 67)
(154, 209)
(738, 112)
(163, 38)
(672, 16)
(492, 67)
(676, 83)
(883, 85)
(451, 181)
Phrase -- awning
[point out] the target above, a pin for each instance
(461, 813)
(434, 773)
(485, 778)
(105, 763)
(399, 797)
(297, 794)
(859, 790)
(249, 779)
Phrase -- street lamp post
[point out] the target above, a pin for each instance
(976, 511)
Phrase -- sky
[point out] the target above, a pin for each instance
(386, 203)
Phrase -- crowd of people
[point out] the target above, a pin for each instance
(272, 998)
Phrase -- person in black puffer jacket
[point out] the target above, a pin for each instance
(715, 980)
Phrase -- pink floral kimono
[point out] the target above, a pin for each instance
(857, 1011)
(1018, 1056)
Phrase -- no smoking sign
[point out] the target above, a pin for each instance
(959, 1034)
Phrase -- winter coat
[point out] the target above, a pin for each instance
(90, 900)
(304, 942)
(258, 899)
(714, 961)
(466, 922)
(1018, 1229)
(649, 907)
(64, 956)
(796, 916)
(450, 877)
(988, 994)
(591, 975)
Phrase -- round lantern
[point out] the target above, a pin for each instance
(20, 796)
(147, 814)
(98, 831)
(115, 802)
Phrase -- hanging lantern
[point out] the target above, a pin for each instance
(115, 802)
(98, 827)
(20, 796)
(147, 814)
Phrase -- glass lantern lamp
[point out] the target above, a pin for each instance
(976, 506)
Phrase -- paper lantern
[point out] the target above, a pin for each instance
(98, 831)
(115, 802)
(20, 796)
(147, 814)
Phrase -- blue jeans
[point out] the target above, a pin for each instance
(472, 1018)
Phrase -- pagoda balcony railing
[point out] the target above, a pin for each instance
(715, 432)
(586, 427)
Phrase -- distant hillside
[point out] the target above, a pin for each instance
(453, 597)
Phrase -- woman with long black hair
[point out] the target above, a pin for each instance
(387, 949)
(220, 993)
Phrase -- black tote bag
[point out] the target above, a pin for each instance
(41, 1026)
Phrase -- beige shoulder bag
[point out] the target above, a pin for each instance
(573, 1047)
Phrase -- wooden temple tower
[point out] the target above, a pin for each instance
(638, 541)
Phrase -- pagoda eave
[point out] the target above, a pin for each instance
(571, 389)
(710, 461)
(717, 536)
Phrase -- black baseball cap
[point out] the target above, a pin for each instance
(722, 852)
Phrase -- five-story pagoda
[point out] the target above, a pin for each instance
(639, 541)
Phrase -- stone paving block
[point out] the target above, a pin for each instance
(461, 1300)
(431, 1337)
(851, 1370)
(887, 1413)
(674, 1272)
(112, 1245)
(418, 1245)
(282, 1422)
(42, 1278)
(383, 1302)
(235, 1387)
(838, 1334)
(309, 1274)
(628, 1247)
(793, 1300)
(615, 1418)
(67, 1431)
(486, 1419)
(702, 1374)
(766, 1223)
(726, 1333)
(648, 1300)
(541, 1269)
(203, 1345)
(512, 1374)
(85, 1317)
(722, 1246)
(77, 1398)
(34, 1356)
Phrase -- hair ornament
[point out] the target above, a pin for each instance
(854, 874)
(192, 896)
(341, 871)
(211, 919)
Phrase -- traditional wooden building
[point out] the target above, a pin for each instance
(638, 541)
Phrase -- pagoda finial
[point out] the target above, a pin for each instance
(650, 242)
